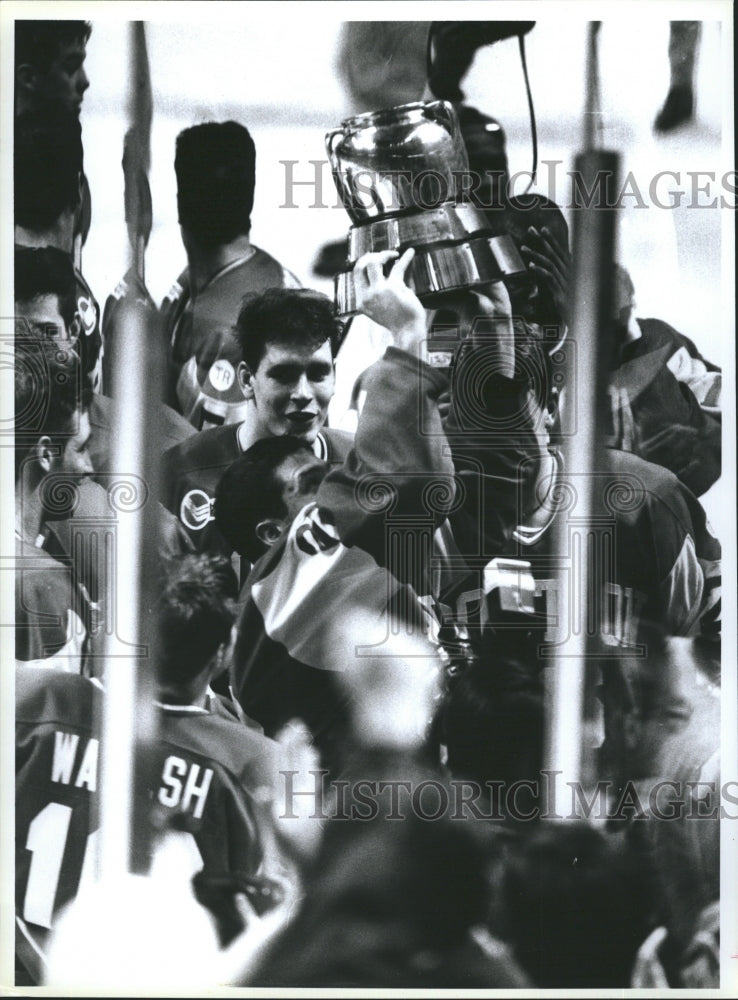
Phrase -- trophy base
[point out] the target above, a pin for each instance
(437, 225)
(440, 267)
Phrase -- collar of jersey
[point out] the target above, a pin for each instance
(319, 446)
(227, 268)
(188, 709)
(529, 536)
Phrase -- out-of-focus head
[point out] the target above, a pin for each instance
(573, 903)
(215, 164)
(490, 733)
(52, 395)
(288, 339)
(196, 613)
(390, 673)
(49, 64)
(48, 165)
(663, 696)
(259, 495)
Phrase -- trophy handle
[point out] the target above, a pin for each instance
(447, 112)
(333, 159)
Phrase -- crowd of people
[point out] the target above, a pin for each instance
(358, 615)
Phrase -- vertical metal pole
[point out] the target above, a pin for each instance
(128, 734)
(595, 186)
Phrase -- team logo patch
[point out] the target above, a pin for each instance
(222, 375)
(87, 315)
(196, 510)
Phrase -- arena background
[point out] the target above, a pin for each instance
(275, 68)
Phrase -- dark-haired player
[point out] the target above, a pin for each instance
(215, 168)
(320, 535)
(49, 65)
(285, 343)
(48, 165)
(52, 435)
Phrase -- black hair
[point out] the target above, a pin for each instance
(50, 393)
(39, 42)
(491, 719)
(48, 163)
(285, 316)
(196, 613)
(573, 904)
(46, 271)
(250, 491)
(215, 164)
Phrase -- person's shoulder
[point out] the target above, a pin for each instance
(261, 260)
(339, 443)
(224, 741)
(633, 473)
(175, 427)
(658, 333)
(38, 571)
(205, 449)
(53, 696)
(639, 486)
(92, 506)
(178, 291)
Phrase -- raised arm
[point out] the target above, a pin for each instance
(400, 451)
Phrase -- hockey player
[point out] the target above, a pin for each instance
(285, 343)
(80, 528)
(665, 561)
(323, 537)
(52, 434)
(666, 398)
(212, 772)
(49, 65)
(48, 164)
(222, 266)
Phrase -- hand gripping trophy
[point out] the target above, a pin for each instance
(403, 177)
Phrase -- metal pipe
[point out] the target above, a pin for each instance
(577, 529)
(129, 720)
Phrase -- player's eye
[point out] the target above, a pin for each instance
(285, 376)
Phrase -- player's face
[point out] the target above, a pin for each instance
(291, 390)
(75, 459)
(65, 82)
(40, 317)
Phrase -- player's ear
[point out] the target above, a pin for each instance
(26, 78)
(45, 453)
(224, 655)
(269, 531)
(245, 380)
